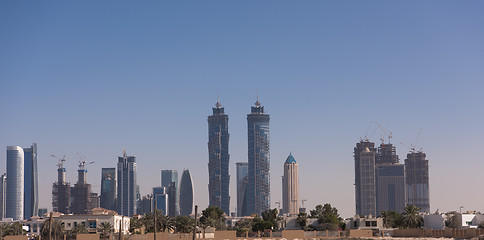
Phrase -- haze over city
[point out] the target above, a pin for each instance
(96, 77)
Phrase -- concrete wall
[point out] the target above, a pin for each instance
(431, 233)
(16, 237)
(87, 236)
(355, 233)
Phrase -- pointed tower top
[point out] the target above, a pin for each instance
(290, 159)
(124, 152)
(257, 103)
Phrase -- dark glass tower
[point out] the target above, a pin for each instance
(365, 192)
(218, 159)
(31, 182)
(169, 180)
(108, 188)
(186, 193)
(417, 180)
(242, 180)
(127, 186)
(259, 184)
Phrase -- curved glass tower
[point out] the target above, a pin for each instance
(31, 182)
(218, 159)
(259, 184)
(186, 193)
(15, 183)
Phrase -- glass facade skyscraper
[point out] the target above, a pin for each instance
(242, 180)
(218, 163)
(15, 183)
(258, 188)
(186, 193)
(31, 182)
(169, 180)
(161, 199)
(127, 195)
(108, 188)
(365, 192)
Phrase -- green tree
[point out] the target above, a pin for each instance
(184, 224)
(411, 218)
(259, 225)
(270, 216)
(166, 223)
(318, 211)
(135, 224)
(243, 227)
(214, 217)
(328, 218)
(3, 229)
(453, 220)
(105, 229)
(57, 230)
(391, 219)
(302, 219)
(79, 229)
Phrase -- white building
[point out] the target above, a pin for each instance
(15, 183)
(94, 220)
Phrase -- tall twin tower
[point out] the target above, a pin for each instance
(256, 195)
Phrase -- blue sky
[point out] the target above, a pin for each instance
(96, 77)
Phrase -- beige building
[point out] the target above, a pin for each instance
(290, 187)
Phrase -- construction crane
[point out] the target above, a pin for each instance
(82, 162)
(385, 132)
(413, 147)
(61, 161)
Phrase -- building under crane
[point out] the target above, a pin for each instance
(83, 200)
(61, 190)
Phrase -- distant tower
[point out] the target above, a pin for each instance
(218, 155)
(417, 180)
(161, 198)
(390, 182)
(186, 194)
(81, 192)
(15, 183)
(61, 190)
(108, 188)
(167, 178)
(3, 195)
(365, 193)
(259, 186)
(290, 187)
(31, 182)
(242, 180)
(127, 185)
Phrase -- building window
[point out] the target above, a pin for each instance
(468, 223)
(68, 224)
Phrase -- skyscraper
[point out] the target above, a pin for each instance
(108, 188)
(81, 192)
(389, 180)
(242, 180)
(218, 155)
(160, 197)
(61, 190)
(259, 185)
(127, 186)
(31, 182)
(290, 186)
(3, 195)
(417, 180)
(365, 192)
(15, 183)
(167, 178)
(186, 193)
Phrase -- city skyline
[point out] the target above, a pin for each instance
(324, 70)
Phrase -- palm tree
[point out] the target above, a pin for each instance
(302, 219)
(411, 217)
(183, 224)
(57, 230)
(79, 229)
(105, 228)
(166, 222)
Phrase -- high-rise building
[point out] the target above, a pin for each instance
(218, 155)
(387, 153)
(390, 187)
(167, 178)
(3, 195)
(160, 197)
(172, 199)
(61, 191)
(127, 194)
(81, 193)
(417, 180)
(259, 185)
(108, 188)
(242, 180)
(31, 182)
(15, 183)
(186, 193)
(365, 192)
(145, 205)
(290, 187)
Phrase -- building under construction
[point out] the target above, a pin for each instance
(417, 180)
(82, 198)
(61, 190)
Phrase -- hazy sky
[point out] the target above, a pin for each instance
(94, 77)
